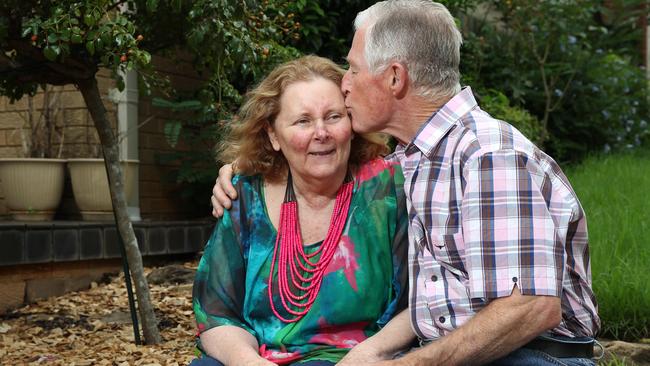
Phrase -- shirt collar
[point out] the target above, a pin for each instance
(441, 122)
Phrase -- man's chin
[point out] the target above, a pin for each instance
(356, 126)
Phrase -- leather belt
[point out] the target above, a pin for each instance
(562, 349)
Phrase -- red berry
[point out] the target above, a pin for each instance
(139, 38)
(123, 58)
(34, 38)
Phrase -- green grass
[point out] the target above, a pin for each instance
(613, 362)
(615, 193)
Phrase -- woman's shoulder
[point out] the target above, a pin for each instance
(244, 183)
(378, 169)
(249, 191)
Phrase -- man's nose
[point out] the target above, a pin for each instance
(345, 84)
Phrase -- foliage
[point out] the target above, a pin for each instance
(498, 105)
(57, 42)
(235, 44)
(560, 61)
(611, 96)
(193, 126)
(618, 228)
(325, 27)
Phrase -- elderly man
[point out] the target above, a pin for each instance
(498, 255)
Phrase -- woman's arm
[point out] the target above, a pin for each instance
(396, 336)
(232, 346)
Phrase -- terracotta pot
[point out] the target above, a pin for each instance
(90, 186)
(32, 187)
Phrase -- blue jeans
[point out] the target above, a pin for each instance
(531, 357)
(525, 356)
(209, 361)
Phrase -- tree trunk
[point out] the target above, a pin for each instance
(90, 92)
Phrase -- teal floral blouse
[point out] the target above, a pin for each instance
(364, 286)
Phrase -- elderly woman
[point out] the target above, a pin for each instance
(308, 262)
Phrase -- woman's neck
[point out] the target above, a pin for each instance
(317, 193)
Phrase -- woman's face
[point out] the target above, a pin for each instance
(313, 130)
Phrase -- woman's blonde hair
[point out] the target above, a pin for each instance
(248, 142)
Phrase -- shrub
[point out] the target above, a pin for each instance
(563, 63)
(498, 105)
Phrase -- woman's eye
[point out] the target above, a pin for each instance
(334, 117)
(302, 121)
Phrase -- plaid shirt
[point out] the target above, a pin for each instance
(489, 210)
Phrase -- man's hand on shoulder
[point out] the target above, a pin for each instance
(223, 192)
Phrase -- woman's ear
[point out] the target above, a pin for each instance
(273, 138)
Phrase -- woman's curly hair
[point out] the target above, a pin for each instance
(247, 142)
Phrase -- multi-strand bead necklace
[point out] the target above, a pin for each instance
(292, 260)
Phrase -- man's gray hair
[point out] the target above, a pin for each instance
(420, 34)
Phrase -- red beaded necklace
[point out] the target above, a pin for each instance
(292, 258)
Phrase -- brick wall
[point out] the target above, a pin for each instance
(159, 198)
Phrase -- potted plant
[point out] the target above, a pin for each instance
(90, 186)
(33, 183)
(90, 182)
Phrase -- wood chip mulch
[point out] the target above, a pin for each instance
(93, 327)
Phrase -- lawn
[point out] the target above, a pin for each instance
(615, 193)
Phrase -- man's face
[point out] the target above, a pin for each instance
(367, 96)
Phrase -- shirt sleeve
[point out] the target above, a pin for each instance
(400, 244)
(219, 286)
(509, 233)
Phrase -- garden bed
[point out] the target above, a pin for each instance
(93, 327)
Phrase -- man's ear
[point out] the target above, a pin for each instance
(399, 79)
(273, 138)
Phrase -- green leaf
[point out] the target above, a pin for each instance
(146, 57)
(172, 132)
(76, 38)
(52, 38)
(89, 20)
(90, 46)
(51, 52)
(152, 5)
(65, 35)
(177, 5)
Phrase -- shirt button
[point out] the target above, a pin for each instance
(514, 279)
(434, 278)
(441, 319)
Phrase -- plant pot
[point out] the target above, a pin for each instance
(90, 186)
(32, 187)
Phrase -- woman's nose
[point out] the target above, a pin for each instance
(321, 132)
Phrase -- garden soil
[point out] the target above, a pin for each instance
(93, 327)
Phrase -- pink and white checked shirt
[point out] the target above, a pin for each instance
(489, 210)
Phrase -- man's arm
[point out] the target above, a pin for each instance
(501, 327)
(223, 192)
(395, 336)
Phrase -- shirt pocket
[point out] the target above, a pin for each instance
(449, 251)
